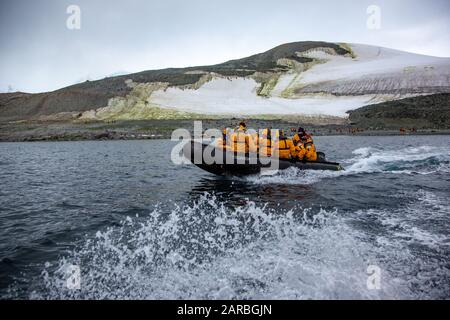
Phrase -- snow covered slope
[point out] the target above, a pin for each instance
(376, 70)
(331, 86)
(238, 97)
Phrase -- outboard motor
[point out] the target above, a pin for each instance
(321, 157)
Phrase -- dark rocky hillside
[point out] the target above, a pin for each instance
(432, 111)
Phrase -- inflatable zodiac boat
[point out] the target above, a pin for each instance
(226, 163)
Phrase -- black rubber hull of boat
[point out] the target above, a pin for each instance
(245, 165)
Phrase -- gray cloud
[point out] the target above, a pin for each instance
(39, 53)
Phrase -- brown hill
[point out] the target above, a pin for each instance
(91, 95)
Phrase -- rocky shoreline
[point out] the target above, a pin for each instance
(162, 129)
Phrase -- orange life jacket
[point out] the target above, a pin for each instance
(285, 148)
(265, 146)
(300, 151)
(222, 143)
(311, 154)
(240, 141)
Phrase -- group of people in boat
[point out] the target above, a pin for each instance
(299, 147)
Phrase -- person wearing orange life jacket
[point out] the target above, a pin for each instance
(242, 126)
(240, 141)
(222, 143)
(284, 147)
(300, 135)
(300, 151)
(265, 143)
(311, 154)
(253, 140)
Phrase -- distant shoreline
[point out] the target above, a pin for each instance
(162, 129)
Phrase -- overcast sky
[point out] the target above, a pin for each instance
(39, 53)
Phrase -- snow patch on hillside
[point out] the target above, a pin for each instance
(238, 97)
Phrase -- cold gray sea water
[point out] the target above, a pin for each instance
(137, 226)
